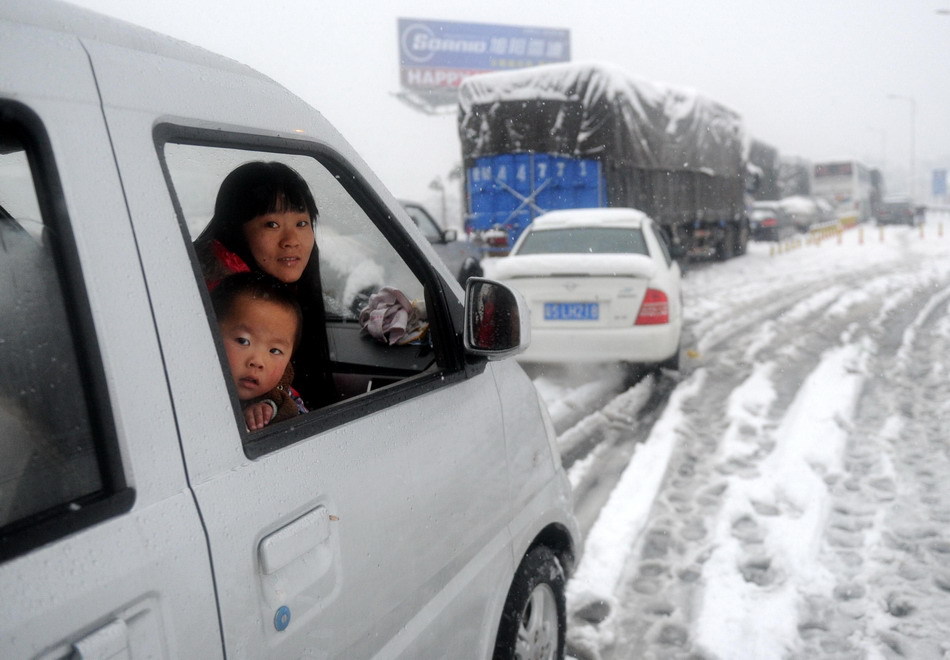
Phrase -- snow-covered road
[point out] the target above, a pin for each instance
(784, 495)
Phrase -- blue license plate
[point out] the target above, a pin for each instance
(579, 311)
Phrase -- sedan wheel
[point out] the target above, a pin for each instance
(673, 362)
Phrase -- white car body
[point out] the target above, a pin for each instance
(389, 524)
(615, 282)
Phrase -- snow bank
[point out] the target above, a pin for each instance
(749, 607)
(623, 517)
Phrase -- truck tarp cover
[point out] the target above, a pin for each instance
(592, 110)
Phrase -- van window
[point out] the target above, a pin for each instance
(356, 260)
(48, 453)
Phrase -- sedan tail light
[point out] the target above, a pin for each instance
(769, 222)
(655, 308)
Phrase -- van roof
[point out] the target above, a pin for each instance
(64, 18)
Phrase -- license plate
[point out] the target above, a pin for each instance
(578, 311)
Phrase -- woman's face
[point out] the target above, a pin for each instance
(281, 243)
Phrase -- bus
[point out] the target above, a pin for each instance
(847, 185)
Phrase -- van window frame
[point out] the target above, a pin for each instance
(446, 318)
(115, 497)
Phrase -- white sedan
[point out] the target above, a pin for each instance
(601, 285)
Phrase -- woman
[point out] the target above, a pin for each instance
(263, 221)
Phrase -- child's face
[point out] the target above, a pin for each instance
(259, 340)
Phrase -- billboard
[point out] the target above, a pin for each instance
(434, 56)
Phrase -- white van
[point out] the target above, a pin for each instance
(425, 515)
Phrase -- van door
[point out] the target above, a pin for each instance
(377, 525)
(102, 553)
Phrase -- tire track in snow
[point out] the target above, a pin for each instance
(670, 547)
(658, 588)
(888, 543)
(622, 520)
(774, 522)
(720, 331)
(596, 450)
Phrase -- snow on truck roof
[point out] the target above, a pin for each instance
(552, 81)
(598, 110)
(593, 217)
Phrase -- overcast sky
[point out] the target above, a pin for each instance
(811, 77)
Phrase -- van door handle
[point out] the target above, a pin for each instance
(111, 642)
(294, 540)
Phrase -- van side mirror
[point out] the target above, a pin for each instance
(497, 322)
(449, 235)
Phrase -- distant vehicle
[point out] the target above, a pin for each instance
(602, 286)
(848, 185)
(806, 212)
(828, 213)
(896, 211)
(878, 189)
(794, 177)
(581, 135)
(762, 162)
(462, 257)
(771, 222)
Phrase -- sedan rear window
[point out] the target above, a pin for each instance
(585, 240)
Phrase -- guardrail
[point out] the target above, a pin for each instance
(835, 230)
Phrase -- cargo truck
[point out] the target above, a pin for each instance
(582, 135)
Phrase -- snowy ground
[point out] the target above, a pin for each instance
(784, 495)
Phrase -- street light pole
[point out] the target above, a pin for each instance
(913, 122)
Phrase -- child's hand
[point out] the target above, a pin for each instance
(258, 415)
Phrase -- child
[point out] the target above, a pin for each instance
(260, 322)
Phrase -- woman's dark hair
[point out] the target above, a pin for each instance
(257, 188)
(258, 286)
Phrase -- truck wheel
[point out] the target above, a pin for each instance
(742, 245)
(534, 620)
(634, 372)
(727, 246)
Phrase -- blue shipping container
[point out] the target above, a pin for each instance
(508, 191)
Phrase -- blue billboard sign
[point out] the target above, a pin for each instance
(437, 55)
